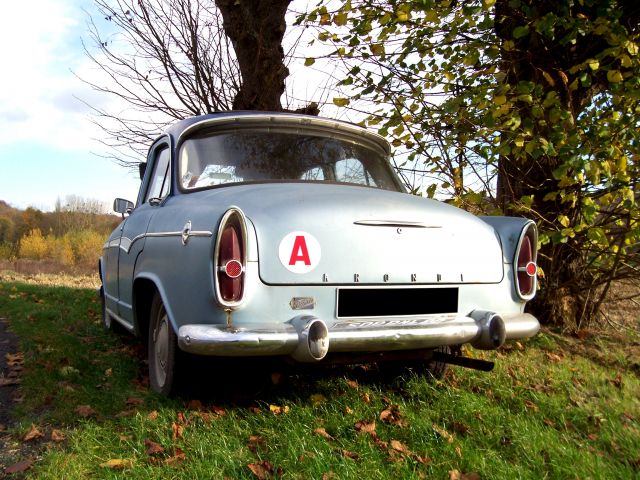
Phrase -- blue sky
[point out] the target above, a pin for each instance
(48, 146)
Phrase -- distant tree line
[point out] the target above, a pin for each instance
(72, 234)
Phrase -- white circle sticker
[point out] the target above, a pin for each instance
(299, 252)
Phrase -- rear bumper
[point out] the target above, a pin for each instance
(360, 336)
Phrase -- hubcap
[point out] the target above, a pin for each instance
(161, 349)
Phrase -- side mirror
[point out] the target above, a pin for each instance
(122, 206)
(142, 167)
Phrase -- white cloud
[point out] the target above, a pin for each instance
(41, 45)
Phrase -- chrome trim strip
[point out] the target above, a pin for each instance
(265, 119)
(120, 320)
(352, 336)
(126, 243)
(394, 223)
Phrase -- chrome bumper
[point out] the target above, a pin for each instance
(480, 328)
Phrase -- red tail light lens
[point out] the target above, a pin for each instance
(526, 267)
(230, 260)
(230, 265)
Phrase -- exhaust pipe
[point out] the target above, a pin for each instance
(313, 339)
(492, 331)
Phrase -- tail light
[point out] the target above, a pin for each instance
(230, 258)
(525, 262)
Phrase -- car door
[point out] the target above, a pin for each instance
(156, 188)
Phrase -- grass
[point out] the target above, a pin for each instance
(554, 407)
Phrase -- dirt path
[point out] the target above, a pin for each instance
(8, 348)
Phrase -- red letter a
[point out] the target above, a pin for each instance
(299, 252)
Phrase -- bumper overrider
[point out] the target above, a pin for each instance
(308, 339)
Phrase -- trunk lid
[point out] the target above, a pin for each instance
(338, 234)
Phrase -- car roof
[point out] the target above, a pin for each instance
(259, 118)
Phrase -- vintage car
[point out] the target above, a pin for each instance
(262, 234)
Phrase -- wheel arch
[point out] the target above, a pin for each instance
(145, 287)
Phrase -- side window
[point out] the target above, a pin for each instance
(160, 177)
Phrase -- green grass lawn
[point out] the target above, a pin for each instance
(554, 407)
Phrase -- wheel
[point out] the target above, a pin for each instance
(163, 350)
(435, 369)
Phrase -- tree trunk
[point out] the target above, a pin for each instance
(256, 29)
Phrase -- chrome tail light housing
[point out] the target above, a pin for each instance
(230, 259)
(525, 265)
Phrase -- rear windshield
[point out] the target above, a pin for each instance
(252, 155)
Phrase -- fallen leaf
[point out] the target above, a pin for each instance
(32, 434)
(352, 384)
(153, 415)
(14, 359)
(398, 446)
(366, 427)
(460, 427)
(108, 372)
(617, 382)
(262, 470)
(348, 454)
(421, 459)
(177, 457)
(85, 411)
(19, 467)
(317, 399)
(152, 448)
(366, 398)
(328, 475)
(531, 406)
(194, 405)
(125, 413)
(134, 401)
(459, 452)
(323, 433)
(553, 357)
(117, 463)
(57, 436)
(277, 410)
(182, 419)
(443, 433)
(177, 431)
(256, 442)
(6, 382)
(219, 411)
(391, 415)
(348, 410)
(549, 422)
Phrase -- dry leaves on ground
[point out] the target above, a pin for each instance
(18, 467)
(117, 463)
(33, 434)
(264, 470)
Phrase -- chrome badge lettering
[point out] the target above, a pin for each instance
(302, 303)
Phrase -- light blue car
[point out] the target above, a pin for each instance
(261, 234)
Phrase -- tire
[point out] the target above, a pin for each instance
(163, 350)
(437, 370)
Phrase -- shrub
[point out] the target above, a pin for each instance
(87, 246)
(6, 251)
(60, 249)
(33, 245)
